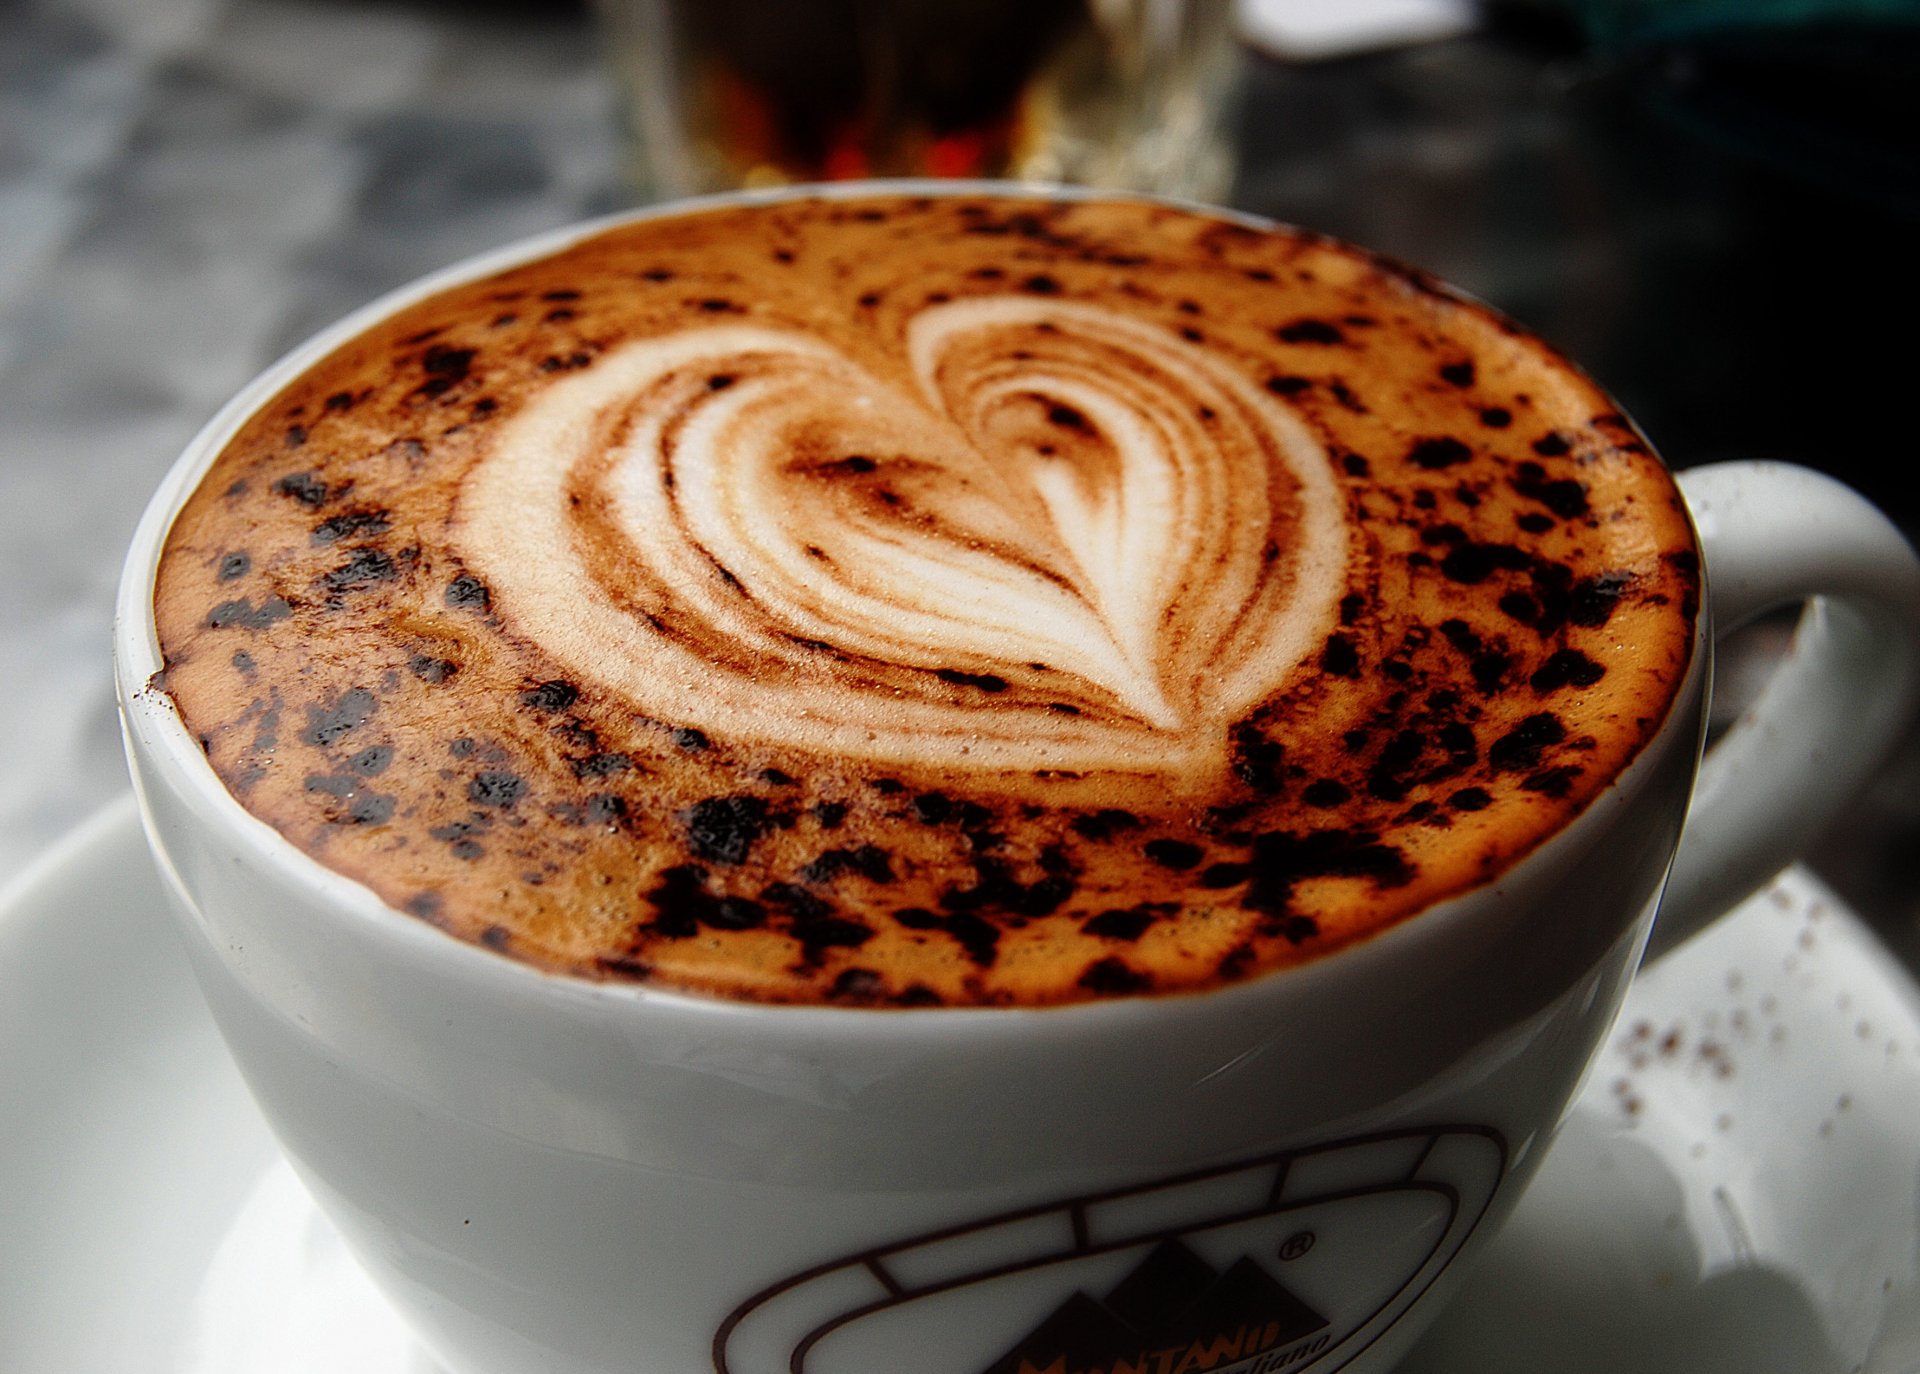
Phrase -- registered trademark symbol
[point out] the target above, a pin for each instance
(1296, 1245)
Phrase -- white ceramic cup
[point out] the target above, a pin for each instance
(554, 1176)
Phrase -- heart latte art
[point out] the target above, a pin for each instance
(742, 529)
(927, 601)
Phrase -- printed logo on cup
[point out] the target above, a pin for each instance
(1278, 1263)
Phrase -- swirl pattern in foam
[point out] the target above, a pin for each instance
(744, 530)
(948, 600)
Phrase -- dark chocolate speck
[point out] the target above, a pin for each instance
(724, 829)
(347, 524)
(496, 787)
(304, 487)
(1114, 977)
(1178, 855)
(1340, 658)
(1310, 331)
(1520, 748)
(1566, 668)
(986, 682)
(247, 616)
(372, 761)
(1121, 923)
(554, 695)
(467, 592)
(1326, 792)
(326, 724)
(364, 568)
(1442, 452)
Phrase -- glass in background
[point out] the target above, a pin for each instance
(1119, 93)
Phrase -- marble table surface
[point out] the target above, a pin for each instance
(189, 187)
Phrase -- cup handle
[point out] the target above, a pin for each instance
(1773, 534)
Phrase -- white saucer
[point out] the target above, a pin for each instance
(1736, 1189)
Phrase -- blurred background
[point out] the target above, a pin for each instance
(1712, 205)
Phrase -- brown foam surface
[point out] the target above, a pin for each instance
(951, 601)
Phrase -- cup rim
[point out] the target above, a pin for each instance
(152, 724)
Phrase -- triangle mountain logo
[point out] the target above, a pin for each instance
(1174, 1314)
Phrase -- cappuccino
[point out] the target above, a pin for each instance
(929, 601)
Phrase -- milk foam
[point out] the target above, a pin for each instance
(1044, 552)
(928, 601)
